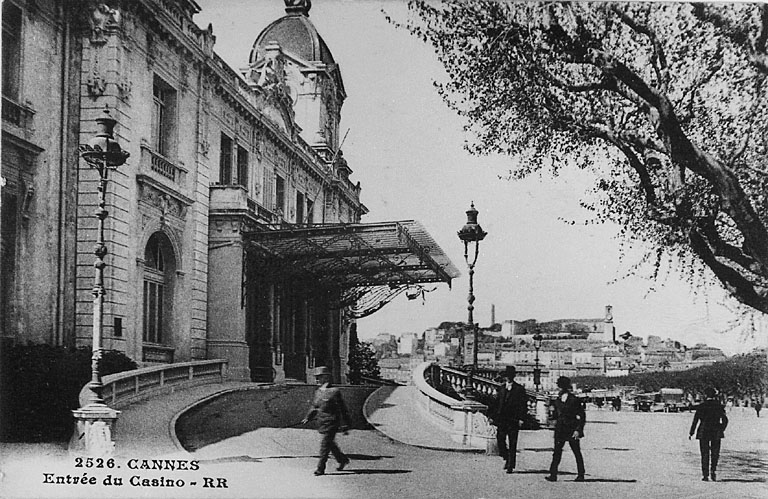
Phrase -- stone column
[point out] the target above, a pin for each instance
(226, 314)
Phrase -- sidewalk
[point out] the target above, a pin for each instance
(394, 411)
(148, 425)
(628, 455)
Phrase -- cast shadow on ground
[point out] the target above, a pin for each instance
(566, 473)
(248, 459)
(251, 459)
(743, 480)
(610, 480)
(367, 457)
(370, 472)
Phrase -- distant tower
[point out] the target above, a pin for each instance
(493, 314)
(608, 329)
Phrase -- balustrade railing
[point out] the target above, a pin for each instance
(161, 165)
(17, 114)
(122, 388)
(482, 387)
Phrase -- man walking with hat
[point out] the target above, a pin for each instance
(569, 418)
(332, 417)
(509, 415)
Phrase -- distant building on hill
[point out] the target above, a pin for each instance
(600, 329)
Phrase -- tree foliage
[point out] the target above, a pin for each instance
(741, 376)
(362, 363)
(664, 103)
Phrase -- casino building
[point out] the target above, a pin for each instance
(235, 228)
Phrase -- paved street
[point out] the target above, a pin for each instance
(627, 455)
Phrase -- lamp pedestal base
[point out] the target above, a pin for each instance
(94, 428)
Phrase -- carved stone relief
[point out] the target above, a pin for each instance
(103, 20)
(124, 80)
(96, 84)
(184, 77)
(169, 207)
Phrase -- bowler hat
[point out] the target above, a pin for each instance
(564, 382)
(322, 370)
(510, 372)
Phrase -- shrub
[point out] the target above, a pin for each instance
(39, 387)
(362, 363)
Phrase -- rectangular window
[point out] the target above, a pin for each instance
(163, 124)
(242, 166)
(153, 312)
(300, 208)
(310, 211)
(279, 194)
(268, 194)
(11, 50)
(225, 160)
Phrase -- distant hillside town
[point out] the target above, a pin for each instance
(569, 347)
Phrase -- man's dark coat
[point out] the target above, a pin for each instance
(511, 406)
(329, 409)
(569, 416)
(711, 420)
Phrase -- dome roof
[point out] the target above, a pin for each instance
(297, 36)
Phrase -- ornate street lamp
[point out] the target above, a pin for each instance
(472, 233)
(94, 419)
(537, 338)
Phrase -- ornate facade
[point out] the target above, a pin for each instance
(216, 157)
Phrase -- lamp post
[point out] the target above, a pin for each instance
(472, 233)
(537, 338)
(94, 419)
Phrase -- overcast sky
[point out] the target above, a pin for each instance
(405, 148)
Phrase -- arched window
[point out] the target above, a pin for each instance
(159, 268)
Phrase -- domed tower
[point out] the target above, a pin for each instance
(290, 57)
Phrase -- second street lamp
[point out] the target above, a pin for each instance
(537, 338)
(472, 233)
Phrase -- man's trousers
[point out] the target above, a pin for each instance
(558, 454)
(328, 446)
(506, 438)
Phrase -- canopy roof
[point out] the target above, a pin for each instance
(349, 256)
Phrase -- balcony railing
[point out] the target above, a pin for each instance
(16, 114)
(235, 197)
(161, 165)
(124, 388)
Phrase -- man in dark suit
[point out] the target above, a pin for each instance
(711, 419)
(569, 418)
(332, 417)
(509, 415)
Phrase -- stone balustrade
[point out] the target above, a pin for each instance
(466, 417)
(124, 388)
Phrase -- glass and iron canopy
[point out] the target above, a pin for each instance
(369, 263)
